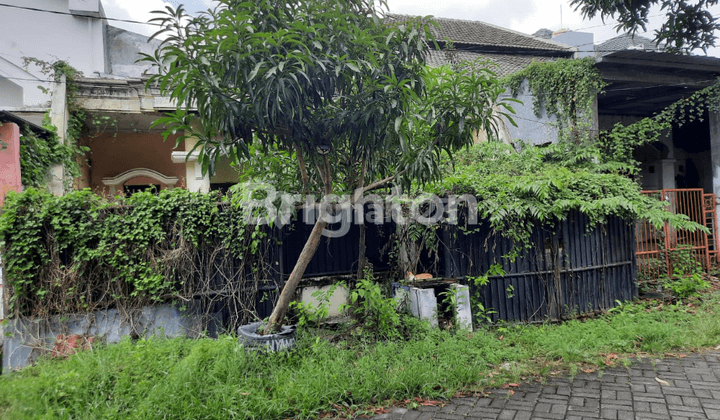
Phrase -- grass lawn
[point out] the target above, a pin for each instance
(217, 379)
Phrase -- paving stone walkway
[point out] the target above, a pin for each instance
(692, 392)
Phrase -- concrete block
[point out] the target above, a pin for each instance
(85, 8)
(423, 305)
(401, 294)
(462, 300)
(317, 296)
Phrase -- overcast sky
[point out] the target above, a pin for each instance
(526, 16)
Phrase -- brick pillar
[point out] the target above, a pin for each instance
(9, 181)
(9, 160)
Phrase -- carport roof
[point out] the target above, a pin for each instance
(642, 83)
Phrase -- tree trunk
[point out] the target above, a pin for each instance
(283, 303)
(362, 258)
(356, 197)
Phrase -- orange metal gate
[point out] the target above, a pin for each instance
(655, 247)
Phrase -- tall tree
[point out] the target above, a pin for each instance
(688, 25)
(327, 79)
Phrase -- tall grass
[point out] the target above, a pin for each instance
(217, 379)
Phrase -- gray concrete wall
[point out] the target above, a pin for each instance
(583, 41)
(124, 48)
(26, 339)
(11, 94)
(530, 128)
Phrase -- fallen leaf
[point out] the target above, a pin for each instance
(511, 392)
(514, 385)
(662, 382)
(501, 337)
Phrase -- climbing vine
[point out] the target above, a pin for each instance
(38, 155)
(80, 252)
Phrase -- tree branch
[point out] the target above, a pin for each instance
(303, 169)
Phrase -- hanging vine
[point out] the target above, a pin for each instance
(564, 89)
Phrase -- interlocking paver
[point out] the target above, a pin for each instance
(633, 393)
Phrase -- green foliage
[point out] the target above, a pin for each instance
(687, 279)
(181, 379)
(519, 190)
(480, 312)
(687, 25)
(687, 286)
(38, 155)
(684, 261)
(78, 252)
(374, 311)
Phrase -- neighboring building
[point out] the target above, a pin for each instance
(641, 81)
(508, 52)
(126, 155)
(627, 42)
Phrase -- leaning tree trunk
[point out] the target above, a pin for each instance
(283, 302)
(311, 245)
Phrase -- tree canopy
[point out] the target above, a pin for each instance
(327, 80)
(688, 25)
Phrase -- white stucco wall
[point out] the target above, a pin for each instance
(78, 40)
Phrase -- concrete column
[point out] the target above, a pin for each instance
(714, 123)
(668, 173)
(194, 179)
(463, 307)
(59, 116)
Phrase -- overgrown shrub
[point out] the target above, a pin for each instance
(519, 189)
(80, 252)
(374, 311)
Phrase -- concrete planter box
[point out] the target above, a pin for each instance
(26, 339)
(423, 304)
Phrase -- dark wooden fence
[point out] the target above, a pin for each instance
(569, 268)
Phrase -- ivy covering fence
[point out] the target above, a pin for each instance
(79, 253)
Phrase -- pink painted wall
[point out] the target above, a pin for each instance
(10, 179)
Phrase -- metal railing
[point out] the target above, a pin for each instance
(656, 247)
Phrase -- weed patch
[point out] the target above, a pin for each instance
(180, 378)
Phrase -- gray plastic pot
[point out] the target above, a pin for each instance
(282, 340)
